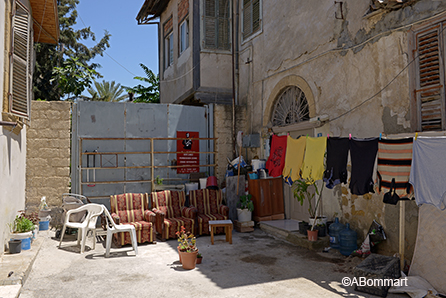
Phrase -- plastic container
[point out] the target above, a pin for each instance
(203, 182)
(258, 164)
(347, 241)
(44, 225)
(15, 246)
(26, 244)
(333, 232)
(211, 182)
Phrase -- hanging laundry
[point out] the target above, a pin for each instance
(276, 160)
(394, 161)
(293, 159)
(427, 171)
(313, 165)
(363, 156)
(337, 155)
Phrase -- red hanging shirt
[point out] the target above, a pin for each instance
(276, 160)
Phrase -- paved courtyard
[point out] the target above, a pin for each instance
(255, 265)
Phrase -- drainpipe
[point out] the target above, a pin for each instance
(234, 37)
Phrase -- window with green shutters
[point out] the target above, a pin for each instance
(216, 21)
(251, 17)
(21, 66)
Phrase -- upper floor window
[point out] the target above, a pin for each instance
(251, 17)
(168, 42)
(216, 24)
(430, 78)
(291, 107)
(21, 67)
(184, 35)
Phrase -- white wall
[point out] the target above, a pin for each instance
(13, 155)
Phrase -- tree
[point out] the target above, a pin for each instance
(149, 94)
(70, 46)
(73, 77)
(107, 91)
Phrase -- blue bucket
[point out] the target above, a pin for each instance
(26, 243)
(44, 225)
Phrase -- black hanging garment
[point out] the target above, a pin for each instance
(363, 155)
(336, 168)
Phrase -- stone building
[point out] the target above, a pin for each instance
(338, 68)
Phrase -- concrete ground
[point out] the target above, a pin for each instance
(255, 265)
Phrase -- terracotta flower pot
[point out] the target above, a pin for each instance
(199, 260)
(179, 253)
(312, 235)
(188, 259)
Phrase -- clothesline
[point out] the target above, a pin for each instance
(403, 163)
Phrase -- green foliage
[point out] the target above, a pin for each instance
(307, 189)
(147, 94)
(73, 77)
(245, 202)
(21, 224)
(158, 180)
(188, 242)
(70, 45)
(107, 91)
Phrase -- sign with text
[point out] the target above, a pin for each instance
(184, 146)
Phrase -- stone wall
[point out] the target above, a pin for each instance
(48, 153)
(223, 131)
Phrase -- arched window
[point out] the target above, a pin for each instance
(291, 107)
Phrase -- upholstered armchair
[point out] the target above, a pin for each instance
(209, 207)
(171, 213)
(131, 209)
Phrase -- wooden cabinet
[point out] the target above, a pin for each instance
(267, 195)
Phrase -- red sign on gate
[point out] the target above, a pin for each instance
(188, 145)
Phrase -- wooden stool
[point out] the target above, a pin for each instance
(227, 224)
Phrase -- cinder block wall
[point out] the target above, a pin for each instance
(223, 131)
(48, 153)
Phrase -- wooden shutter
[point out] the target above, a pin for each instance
(21, 71)
(216, 24)
(251, 17)
(430, 93)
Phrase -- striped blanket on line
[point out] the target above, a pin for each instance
(394, 161)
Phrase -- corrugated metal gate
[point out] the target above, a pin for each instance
(123, 147)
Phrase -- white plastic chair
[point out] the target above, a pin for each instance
(112, 228)
(88, 223)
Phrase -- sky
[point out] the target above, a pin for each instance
(130, 43)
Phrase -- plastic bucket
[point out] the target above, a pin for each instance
(211, 181)
(15, 246)
(203, 182)
(26, 244)
(44, 225)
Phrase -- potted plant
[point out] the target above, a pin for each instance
(322, 232)
(199, 258)
(187, 249)
(244, 213)
(21, 229)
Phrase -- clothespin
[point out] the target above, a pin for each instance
(349, 136)
(416, 136)
(307, 135)
(328, 136)
(288, 134)
(380, 136)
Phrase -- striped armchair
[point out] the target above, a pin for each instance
(171, 213)
(209, 206)
(131, 209)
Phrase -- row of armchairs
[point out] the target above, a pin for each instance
(168, 213)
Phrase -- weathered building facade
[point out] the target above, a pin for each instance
(22, 22)
(363, 68)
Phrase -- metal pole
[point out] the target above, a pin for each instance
(153, 164)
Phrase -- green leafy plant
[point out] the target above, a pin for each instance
(199, 255)
(188, 242)
(307, 189)
(245, 202)
(158, 180)
(21, 224)
(147, 94)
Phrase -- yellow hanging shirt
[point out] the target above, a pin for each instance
(294, 158)
(313, 165)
